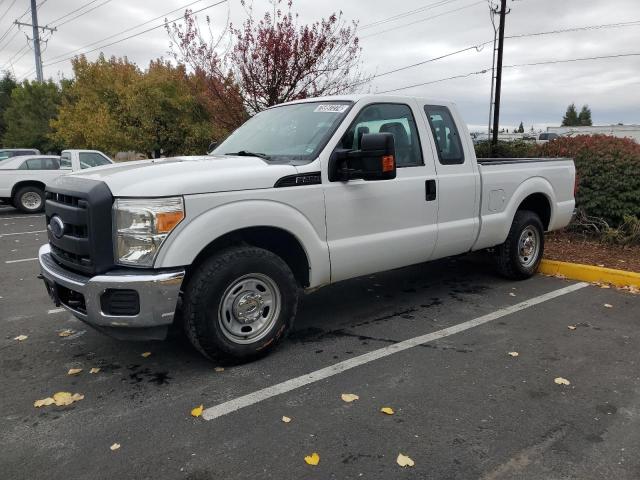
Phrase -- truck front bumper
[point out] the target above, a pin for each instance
(126, 304)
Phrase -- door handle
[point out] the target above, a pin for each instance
(430, 190)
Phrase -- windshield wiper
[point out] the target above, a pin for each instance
(244, 153)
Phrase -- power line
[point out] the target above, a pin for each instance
(464, 75)
(582, 59)
(406, 14)
(422, 19)
(136, 34)
(73, 11)
(82, 13)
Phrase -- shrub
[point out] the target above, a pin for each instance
(517, 149)
(608, 171)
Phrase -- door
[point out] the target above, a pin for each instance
(458, 182)
(379, 225)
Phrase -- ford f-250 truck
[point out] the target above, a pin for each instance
(304, 194)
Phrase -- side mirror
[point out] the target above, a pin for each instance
(376, 160)
(212, 147)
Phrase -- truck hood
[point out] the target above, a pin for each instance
(184, 175)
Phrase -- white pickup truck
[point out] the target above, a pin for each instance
(23, 178)
(304, 194)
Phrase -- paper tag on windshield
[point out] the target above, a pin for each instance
(338, 108)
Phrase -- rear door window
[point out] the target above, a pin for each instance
(40, 164)
(445, 133)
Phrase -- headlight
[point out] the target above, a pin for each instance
(142, 224)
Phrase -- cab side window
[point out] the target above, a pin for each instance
(446, 135)
(90, 159)
(393, 118)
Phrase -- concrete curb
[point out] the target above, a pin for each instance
(590, 273)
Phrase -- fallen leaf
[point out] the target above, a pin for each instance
(404, 461)
(115, 446)
(286, 419)
(94, 370)
(146, 354)
(387, 410)
(21, 338)
(74, 371)
(219, 369)
(608, 305)
(312, 459)
(604, 285)
(196, 412)
(65, 398)
(66, 332)
(44, 402)
(349, 397)
(513, 354)
(512, 294)
(571, 327)
(562, 381)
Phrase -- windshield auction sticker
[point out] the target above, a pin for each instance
(339, 108)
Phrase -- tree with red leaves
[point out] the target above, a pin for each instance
(274, 59)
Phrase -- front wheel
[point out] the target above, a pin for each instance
(29, 199)
(519, 256)
(240, 303)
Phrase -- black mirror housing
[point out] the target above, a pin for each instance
(376, 159)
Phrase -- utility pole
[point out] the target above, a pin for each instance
(36, 38)
(496, 110)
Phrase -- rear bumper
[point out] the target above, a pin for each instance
(157, 295)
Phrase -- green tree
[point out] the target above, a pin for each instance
(521, 128)
(584, 118)
(27, 117)
(7, 84)
(570, 118)
(113, 105)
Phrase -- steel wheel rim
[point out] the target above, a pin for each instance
(249, 308)
(529, 246)
(31, 200)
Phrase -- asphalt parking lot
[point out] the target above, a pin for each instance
(429, 341)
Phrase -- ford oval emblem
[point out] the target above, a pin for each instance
(56, 225)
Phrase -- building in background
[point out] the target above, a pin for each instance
(620, 131)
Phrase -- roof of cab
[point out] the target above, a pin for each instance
(368, 98)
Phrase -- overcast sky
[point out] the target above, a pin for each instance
(537, 95)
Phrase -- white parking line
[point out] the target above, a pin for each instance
(24, 216)
(22, 260)
(56, 310)
(284, 387)
(21, 233)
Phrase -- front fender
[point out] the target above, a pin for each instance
(193, 236)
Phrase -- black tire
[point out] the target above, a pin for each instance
(19, 199)
(210, 285)
(510, 263)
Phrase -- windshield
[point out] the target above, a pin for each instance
(291, 133)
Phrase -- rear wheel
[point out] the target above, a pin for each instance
(29, 199)
(240, 303)
(519, 256)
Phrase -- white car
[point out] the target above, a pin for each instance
(24, 178)
(304, 194)
(6, 153)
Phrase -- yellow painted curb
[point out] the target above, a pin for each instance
(590, 273)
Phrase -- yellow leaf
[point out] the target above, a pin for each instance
(312, 459)
(404, 461)
(74, 371)
(115, 446)
(562, 381)
(146, 354)
(571, 327)
(604, 285)
(66, 332)
(608, 305)
(286, 419)
(43, 403)
(513, 354)
(196, 412)
(387, 410)
(349, 397)
(65, 398)
(21, 338)
(94, 370)
(219, 369)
